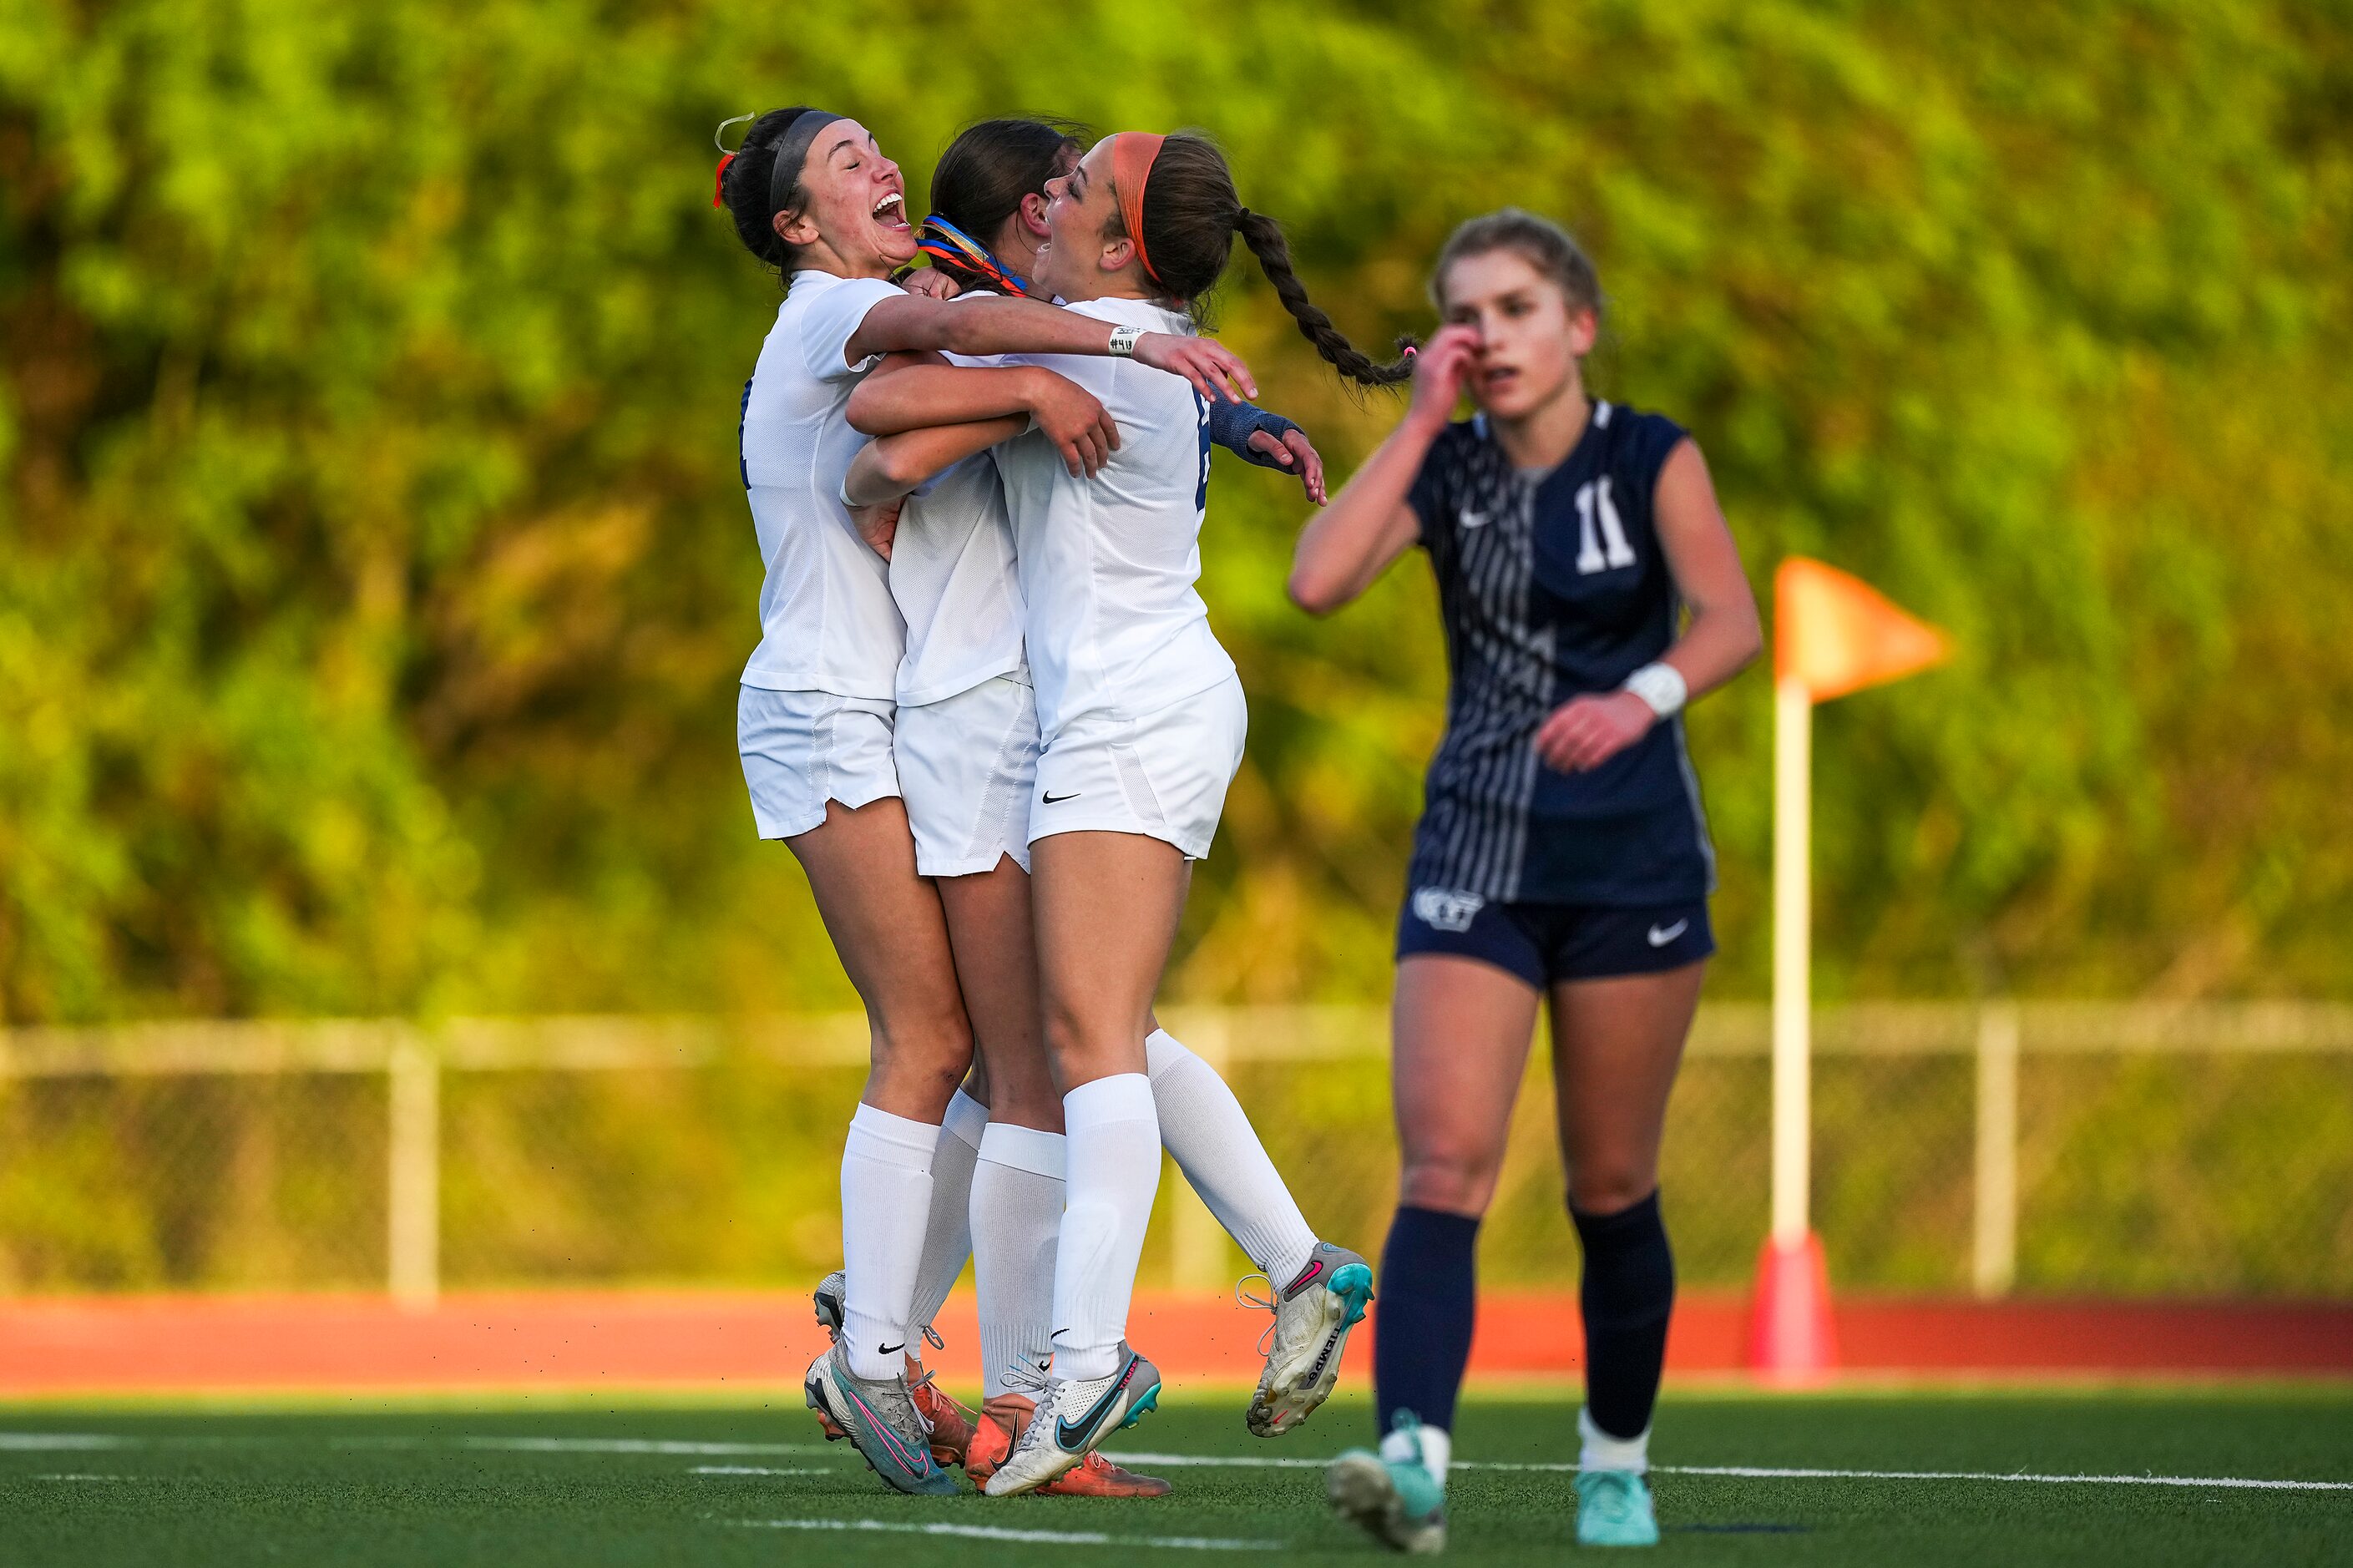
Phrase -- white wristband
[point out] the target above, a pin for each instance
(1123, 341)
(1660, 686)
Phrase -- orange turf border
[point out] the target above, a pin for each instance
(640, 1339)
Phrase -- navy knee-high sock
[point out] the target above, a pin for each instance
(1628, 1295)
(1422, 1341)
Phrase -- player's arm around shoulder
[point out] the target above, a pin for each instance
(1372, 520)
(911, 391)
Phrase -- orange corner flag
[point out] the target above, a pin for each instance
(1834, 633)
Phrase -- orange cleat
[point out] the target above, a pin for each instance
(1001, 1422)
(952, 1434)
(1096, 1476)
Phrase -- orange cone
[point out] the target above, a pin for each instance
(1791, 1341)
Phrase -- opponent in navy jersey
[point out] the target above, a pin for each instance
(1589, 586)
(1553, 586)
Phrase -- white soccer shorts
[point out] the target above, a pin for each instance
(966, 763)
(1162, 775)
(801, 749)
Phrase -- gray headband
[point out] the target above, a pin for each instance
(792, 151)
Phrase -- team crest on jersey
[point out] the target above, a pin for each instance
(1444, 908)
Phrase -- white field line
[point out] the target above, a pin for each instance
(997, 1532)
(77, 1475)
(1768, 1472)
(630, 1445)
(42, 1442)
(758, 1470)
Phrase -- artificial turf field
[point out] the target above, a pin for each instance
(326, 1484)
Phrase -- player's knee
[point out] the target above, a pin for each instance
(1452, 1182)
(1605, 1187)
(923, 1048)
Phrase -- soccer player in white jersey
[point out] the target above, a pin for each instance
(1142, 720)
(811, 194)
(967, 745)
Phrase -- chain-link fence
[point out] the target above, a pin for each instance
(2048, 1148)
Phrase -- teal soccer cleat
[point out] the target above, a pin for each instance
(1614, 1508)
(881, 1418)
(1398, 1502)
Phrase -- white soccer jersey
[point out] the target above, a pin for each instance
(953, 574)
(827, 619)
(1107, 566)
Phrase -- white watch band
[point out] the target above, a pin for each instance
(1123, 341)
(1660, 686)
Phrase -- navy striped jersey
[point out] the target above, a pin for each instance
(1551, 587)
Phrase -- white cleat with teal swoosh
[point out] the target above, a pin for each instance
(1072, 1419)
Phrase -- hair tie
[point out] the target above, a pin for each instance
(719, 182)
(943, 241)
(1132, 156)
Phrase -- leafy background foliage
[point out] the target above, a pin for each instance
(374, 576)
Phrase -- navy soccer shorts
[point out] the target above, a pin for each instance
(1545, 943)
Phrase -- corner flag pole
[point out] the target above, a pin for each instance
(1833, 635)
(1793, 740)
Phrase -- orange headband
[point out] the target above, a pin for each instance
(1132, 157)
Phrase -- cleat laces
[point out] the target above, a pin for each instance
(1030, 1380)
(1270, 1302)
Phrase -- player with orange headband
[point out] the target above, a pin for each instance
(967, 748)
(1141, 717)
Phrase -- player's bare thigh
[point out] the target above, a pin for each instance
(887, 925)
(1459, 1031)
(1616, 1044)
(1106, 906)
(993, 936)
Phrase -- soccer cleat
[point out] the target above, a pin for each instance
(831, 1297)
(1614, 1508)
(1398, 1502)
(1313, 1315)
(1075, 1416)
(1002, 1421)
(949, 1423)
(879, 1417)
(831, 1294)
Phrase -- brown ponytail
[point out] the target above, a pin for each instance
(1190, 215)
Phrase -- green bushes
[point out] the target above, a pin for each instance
(373, 576)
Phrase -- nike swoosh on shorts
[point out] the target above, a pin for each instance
(1661, 938)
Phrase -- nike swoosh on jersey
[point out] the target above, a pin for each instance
(1071, 1437)
(1474, 520)
(1661, 938)
(1058, 799)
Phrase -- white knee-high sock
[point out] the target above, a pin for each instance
(1017, 1218)
(1204, 1128)
(1113, 1146)
(947, 1232)
(886, 1195)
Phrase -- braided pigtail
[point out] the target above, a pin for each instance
(1265, 238)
